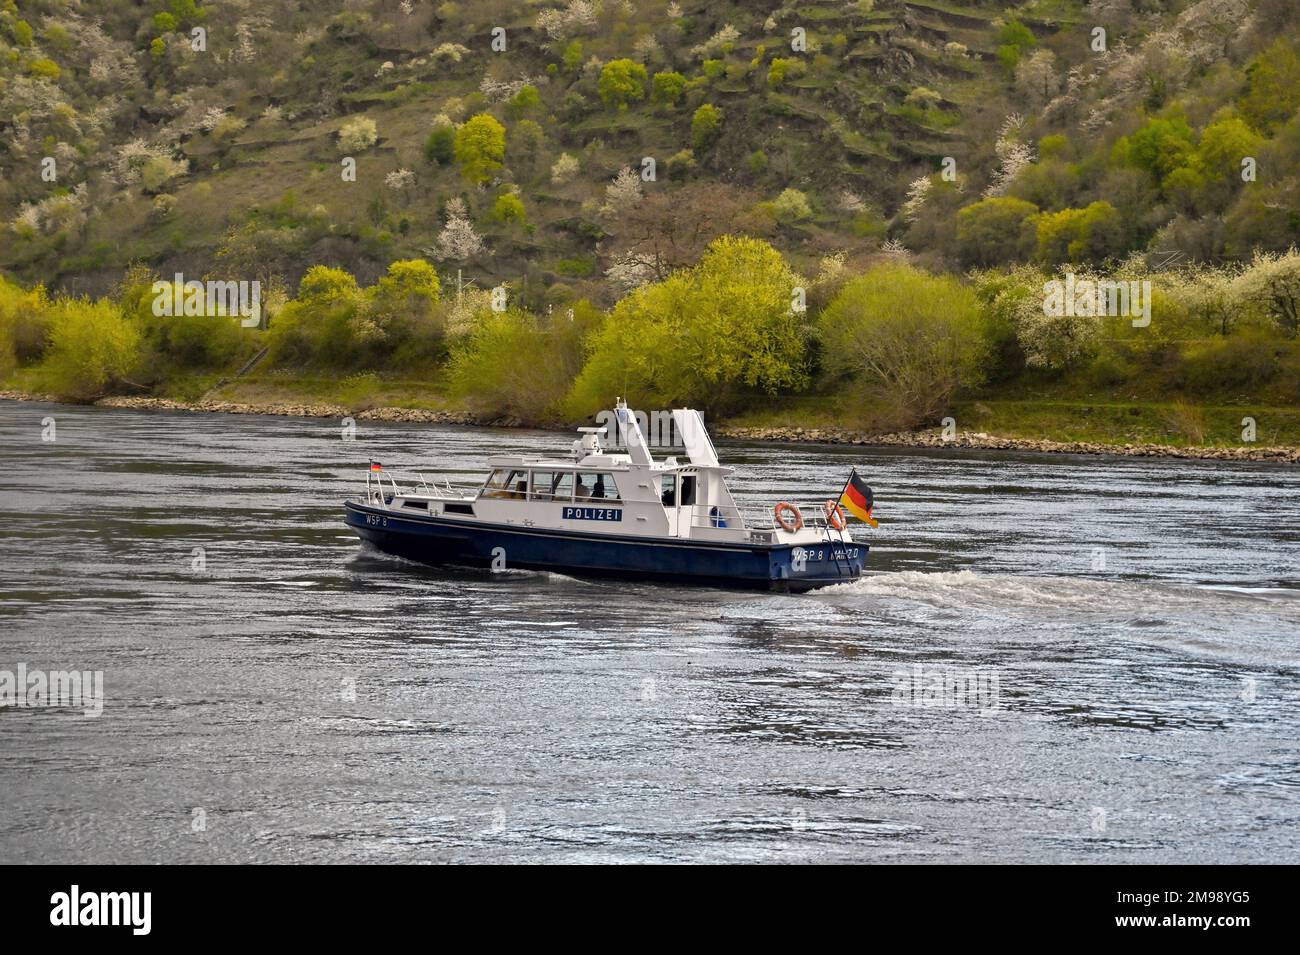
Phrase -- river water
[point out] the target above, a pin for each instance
(1054, 659)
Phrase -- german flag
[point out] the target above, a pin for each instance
(375, 465)
(858, 500)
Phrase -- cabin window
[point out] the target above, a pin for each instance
(506, 483)
(596, 487)
(668, 490)
(552, 486)
(688, 489)
(540, 488)
(562, 486)
(497, 484)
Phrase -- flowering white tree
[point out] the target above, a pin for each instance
(728, 34)
(851, 202)
(458, 240)
(894, 249)
(211, 117)
(454, 52)
(564, 169)
(65, 213)
(1013, 155)
(357, 135)
(578, 17)
(400, 179)
(647, 49)
(132, 158)
(623, 192)
(1271, 286)
(916, 196)
(630, 270)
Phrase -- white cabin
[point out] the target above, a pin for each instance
(596, 490)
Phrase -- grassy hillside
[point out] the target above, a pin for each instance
(166, 155)
(379, 164)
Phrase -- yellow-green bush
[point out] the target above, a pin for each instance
(704, 336)
(93, 347)
(24, 325)
(907, 339)
(509, 367)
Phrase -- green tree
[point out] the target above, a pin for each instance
(706, 127)
(1212, 175)
(996, 231)
(526, 141)
(1222, 147)
(1272, 86)
(668, 88)
(1159, 147)
(45, 68)
(439, 148)
(409, 279)
(320, 326)
(512, 365)
(1013, 40)
(908, 339)
(400, 323)
(480, 147)
(703, 336)
(573, 56)
(509, 208)
(622, 82)
(92, 348)
(186, 12)
(776, 71)
(324, 285)
(1080, 235)
(791, 206)
(525, 101)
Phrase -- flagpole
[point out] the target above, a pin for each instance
(843, 544)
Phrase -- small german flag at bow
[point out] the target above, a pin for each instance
(375, 465)
(858, 500)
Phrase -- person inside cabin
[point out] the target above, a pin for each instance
(669, 493)
(583, 491)
(599, 489)
(521, 490)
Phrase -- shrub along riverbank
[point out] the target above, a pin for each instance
(1202, 356)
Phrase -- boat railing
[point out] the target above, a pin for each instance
(814, 517)
(381, 487)
(376, 493)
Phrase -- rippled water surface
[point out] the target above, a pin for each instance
(1127, 633)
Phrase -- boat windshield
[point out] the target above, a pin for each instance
(507, 483)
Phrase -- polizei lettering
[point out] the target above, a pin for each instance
(593, 514)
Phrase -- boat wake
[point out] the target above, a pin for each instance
(1236, 621)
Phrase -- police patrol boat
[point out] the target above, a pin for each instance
(596, 512)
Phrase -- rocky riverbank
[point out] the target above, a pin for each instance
(910, 439)
(935, 438)
(413, 415)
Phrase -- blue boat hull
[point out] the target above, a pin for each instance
(439, 540)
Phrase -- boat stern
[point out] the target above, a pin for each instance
(821, 564)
